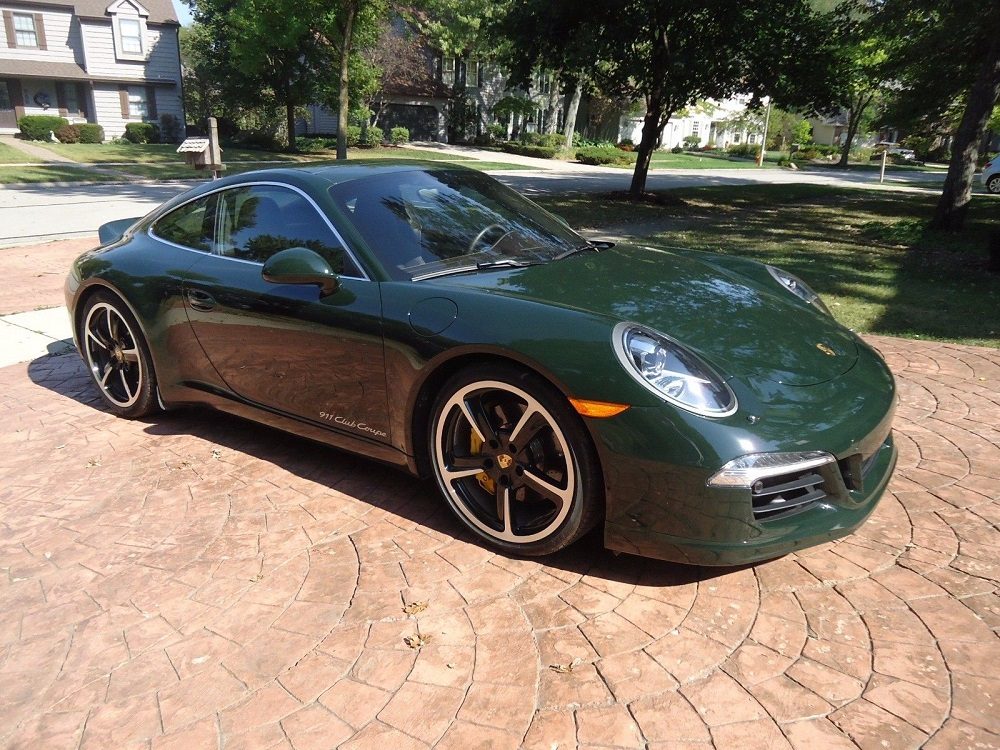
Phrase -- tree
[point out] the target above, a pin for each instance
(861, 62)
(397, 61)
(666, 53)
(946, 51)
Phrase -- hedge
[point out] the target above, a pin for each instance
(68, 134)
(399, 135)
(597, 155)
(142, 132)
(524, 149)
(38, 127)
(91, 133)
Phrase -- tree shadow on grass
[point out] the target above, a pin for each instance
(395, 492)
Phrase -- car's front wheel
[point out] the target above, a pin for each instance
(117, 356)
(993, 184)
(514, 461)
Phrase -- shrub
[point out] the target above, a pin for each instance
(38, 127)
(692, 141)
(371, 137)
(68, 134)
(743, 150)
(399, 135)
(526, 149)
(497, 131)
(807, 154)
(91, 133)
(142, 132)
(625, 145)
(862, 154)
(353, 135)
(598, 155)
(676, 150)
(260, 139)
(170, 128)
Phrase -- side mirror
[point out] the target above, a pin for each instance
(300, 265)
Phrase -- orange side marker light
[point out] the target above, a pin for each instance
(598, 409)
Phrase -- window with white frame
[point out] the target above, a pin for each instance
(752, 138)
(695, 128)
(138, 106)
(130, 31)
(25, 33)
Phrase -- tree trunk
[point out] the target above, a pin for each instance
(552, 104)
(954, 201)
(853, 123)
(343, 95)
(653, 123)
(290, 122)
(569, 126)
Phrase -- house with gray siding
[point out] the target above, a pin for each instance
(90, 61)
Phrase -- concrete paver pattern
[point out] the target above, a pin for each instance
(196, 581)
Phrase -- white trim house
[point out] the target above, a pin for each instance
(90, 61)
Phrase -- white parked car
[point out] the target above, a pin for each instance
(991, 175)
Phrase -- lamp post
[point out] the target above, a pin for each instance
(763, 140)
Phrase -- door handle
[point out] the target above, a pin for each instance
(200, 300)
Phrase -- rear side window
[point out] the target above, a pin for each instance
(257, 221)
(192, 225)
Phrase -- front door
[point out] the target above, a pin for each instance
(283, 346)
(8, 119)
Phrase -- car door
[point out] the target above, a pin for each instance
(284, 346)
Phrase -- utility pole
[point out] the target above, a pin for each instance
(763, 140)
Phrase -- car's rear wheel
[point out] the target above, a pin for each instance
(514, 461)
(117, 356)
(993, 184)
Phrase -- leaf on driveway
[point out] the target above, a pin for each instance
(566, 668)
(414, 608)
(416, 640)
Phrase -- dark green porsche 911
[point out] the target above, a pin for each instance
(704, 409)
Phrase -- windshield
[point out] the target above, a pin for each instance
(423, 224)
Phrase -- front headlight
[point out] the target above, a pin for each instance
(673, 373)
(798, 287)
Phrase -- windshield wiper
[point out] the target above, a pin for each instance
(481, 266)
(595, 245)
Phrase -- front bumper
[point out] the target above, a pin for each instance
(718, 525)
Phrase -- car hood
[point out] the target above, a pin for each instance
(742, 325)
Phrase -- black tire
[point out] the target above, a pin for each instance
(529, 499)
(993, 184)
(117, 356)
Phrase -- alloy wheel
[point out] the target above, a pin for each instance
(112, 352)
(504, 462)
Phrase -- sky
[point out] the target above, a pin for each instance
(183, 12)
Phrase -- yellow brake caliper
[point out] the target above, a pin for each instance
(482, 477)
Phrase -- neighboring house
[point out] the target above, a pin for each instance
(711, 122)
(90, 62)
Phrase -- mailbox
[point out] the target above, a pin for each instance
(203, 153)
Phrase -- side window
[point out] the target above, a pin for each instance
(257, 221)
(192, 225)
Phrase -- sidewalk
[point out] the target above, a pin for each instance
(501, 156)
(47, 157)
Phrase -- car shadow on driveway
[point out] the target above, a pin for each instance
(193, 432)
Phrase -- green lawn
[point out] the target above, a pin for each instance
(865, 252)
(11, 155)
(686, 160)
(49, 173)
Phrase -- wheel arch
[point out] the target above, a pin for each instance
(424, 394)
(96, 286)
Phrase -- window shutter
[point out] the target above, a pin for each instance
(123, 96)
(151, 102)
(40, 31)
(8, 25)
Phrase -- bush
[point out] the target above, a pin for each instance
(353, 135)
(625, 145)
(862, 154)
(526, 149)
(142, 132)
(807, 154)
(91, 133)
(371, 138)
(676, 150)
(170, 128)
(598, 155)
(68, 134)
(38, 127)
(399, 135)
(692, 141)
(497, 131)
(743, 150)
(259, 139)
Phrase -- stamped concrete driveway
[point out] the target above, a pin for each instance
(195, 581)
